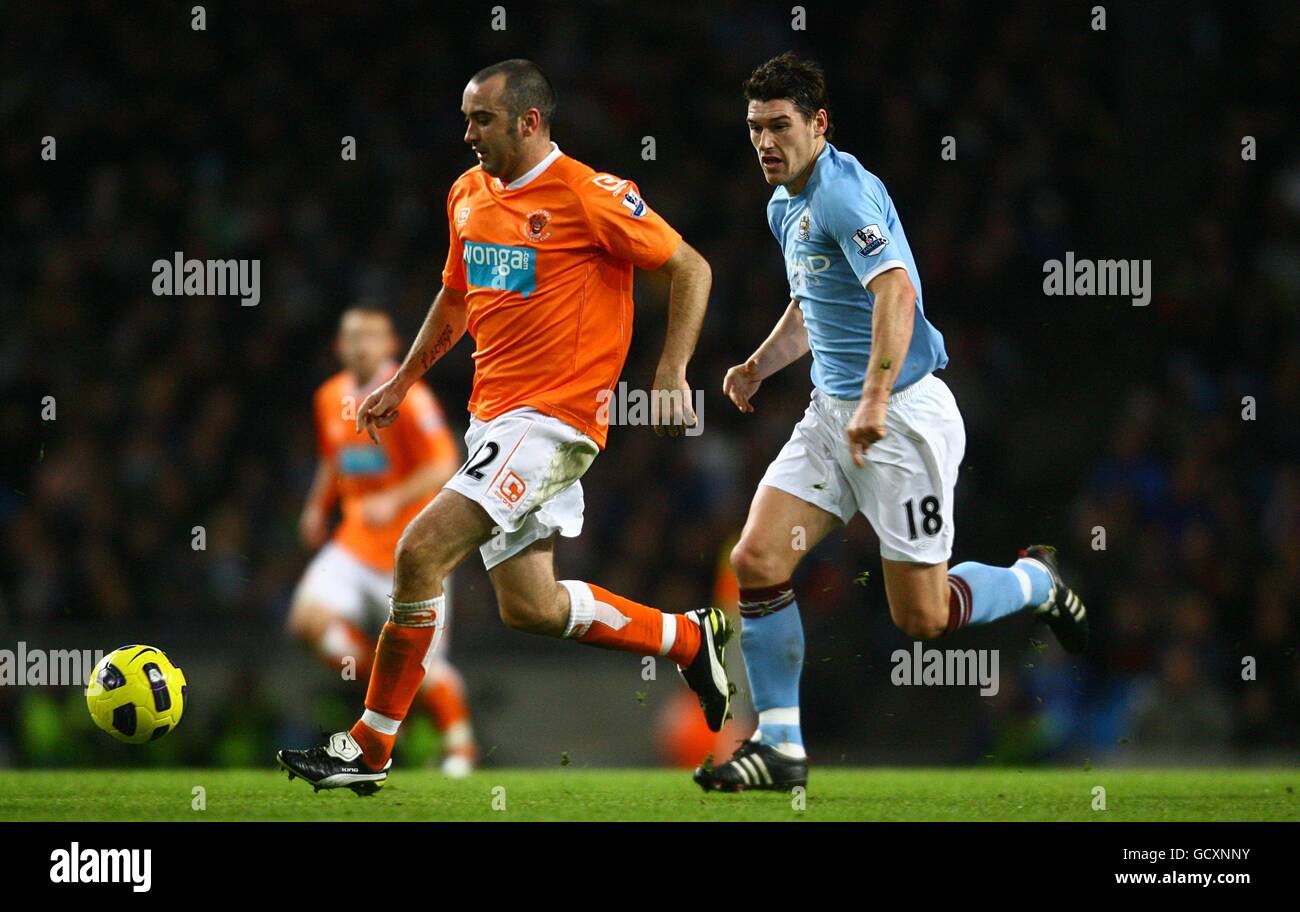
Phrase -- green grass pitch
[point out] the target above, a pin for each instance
(638, 795)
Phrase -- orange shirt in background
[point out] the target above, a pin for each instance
(546, 267)
(419, 435)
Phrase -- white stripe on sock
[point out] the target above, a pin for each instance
(380, 723)
(582, 607)
(963, 609)
(611, 617)
(669, 636)
(1034, 562)
(458, 735)
(427, 613)
(1026, 587)
(782, 715)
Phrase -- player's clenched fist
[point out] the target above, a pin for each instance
(741, 382)
(379, 409)
(380, 508)
(866, 427)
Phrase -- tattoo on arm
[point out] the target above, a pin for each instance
(886, 363)
(440, 348)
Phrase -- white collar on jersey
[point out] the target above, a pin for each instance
(533, 173)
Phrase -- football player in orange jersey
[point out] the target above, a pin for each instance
(381, 487)
(539, 272)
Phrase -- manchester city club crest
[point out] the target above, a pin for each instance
(535, 226)
(805, 226)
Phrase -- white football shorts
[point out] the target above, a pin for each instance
(524, 469)
(905, 489)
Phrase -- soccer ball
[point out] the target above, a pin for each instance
(136, 694)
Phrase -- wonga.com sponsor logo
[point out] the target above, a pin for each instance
(501, 267)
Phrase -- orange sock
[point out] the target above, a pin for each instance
(443, 695)
(598, 617)
(396, 677)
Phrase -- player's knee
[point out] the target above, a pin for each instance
(416, 554)
(525, 612)
(410, 546)
(306, 622)
(757, 566)
(920, 622)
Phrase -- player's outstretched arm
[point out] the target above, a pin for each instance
(892, 316)
(787, 343)
(692, 278)
(313, 526)
(442, 329)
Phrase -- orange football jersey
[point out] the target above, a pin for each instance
(546, 266)
(419, 435)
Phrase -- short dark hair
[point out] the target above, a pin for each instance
(526, 87)
(802, 82)
(366, 307)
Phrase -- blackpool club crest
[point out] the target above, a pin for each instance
(535, 226)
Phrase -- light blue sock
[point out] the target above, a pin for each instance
(772, 642)
(983, 593)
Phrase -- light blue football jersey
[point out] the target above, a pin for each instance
(837, 235)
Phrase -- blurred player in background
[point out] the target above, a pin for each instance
(539, 272)
(382, 487)
(882, 435)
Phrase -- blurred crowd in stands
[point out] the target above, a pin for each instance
(1157, 445)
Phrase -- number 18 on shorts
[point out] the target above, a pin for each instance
(905, 488)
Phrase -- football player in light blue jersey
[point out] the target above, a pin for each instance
(882, 435)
